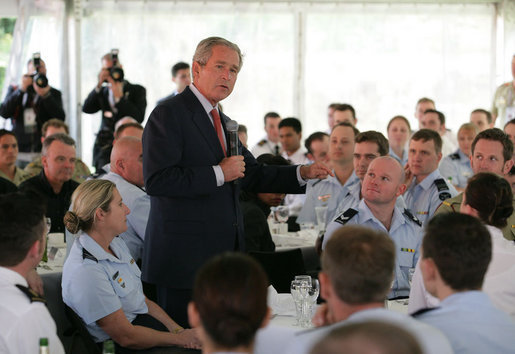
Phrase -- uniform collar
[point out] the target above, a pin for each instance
(11, 277)
(428, 181)
(366, 215)
(98, 252)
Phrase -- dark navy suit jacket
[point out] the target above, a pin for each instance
(191, 219)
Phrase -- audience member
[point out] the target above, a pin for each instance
(510, 177)
(366, 338)
(256, 208)
(317, 145)
(24, 318)
(270, 144)
(382, 185)
(330, 117)
(242, 135)
(116, 99)
(357, 269)
(503, 105)
(101, 281)
(488, 197)
(435, 120)
(8, 157)
(482, 119)
(54, 126)
(344, 113)
(422, 106)
(54, 182)
(181, 77)
(509, 129)
(456, 167)
(426, 186)
(290, 135)
(491, 152)
(456, 253)
(229, 303)
(369, 145)
(127, 174)
(330, 191)
(399, 131)
(29, 106)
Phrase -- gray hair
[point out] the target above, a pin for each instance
(205, 50)
(63, 138)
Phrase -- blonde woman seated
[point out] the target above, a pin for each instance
(101, 281)
(229, 303)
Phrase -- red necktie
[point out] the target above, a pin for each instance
(218, 128)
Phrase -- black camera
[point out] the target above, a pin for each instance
(116, 70)
(39, 78)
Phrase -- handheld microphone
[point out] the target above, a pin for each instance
(232, 128)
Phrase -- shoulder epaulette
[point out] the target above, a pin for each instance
(31, 294)
(262, 142)
(412, 217)
(443, 189)
(87, 255)
(454, 156)
(344, 217)
(421, 311)
(315, 183)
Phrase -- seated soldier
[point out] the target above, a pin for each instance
(457, 250)
(54, 182)
(8, 157)
(229, 303)
(101, 281)
(54, 126)
(24, 318)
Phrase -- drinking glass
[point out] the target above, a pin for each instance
(411, 272)
(310, 296)
(297, 299)
(48, 222)
(281, 213)
(321, 214)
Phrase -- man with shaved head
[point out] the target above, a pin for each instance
(382, 184)
(127, 173)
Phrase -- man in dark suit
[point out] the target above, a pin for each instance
(195, 212)
(29, 106)
(118, 99)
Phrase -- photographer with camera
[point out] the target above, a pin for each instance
(116, 98)
(29, 106)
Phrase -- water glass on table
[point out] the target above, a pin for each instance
(305, 291)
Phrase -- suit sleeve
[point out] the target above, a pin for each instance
(92, 104)
(134, 105)
(167, 172)
(12, 100)
(53, 105)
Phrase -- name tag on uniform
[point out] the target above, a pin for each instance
(29, 120)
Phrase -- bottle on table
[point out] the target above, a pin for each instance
(108, 347)
(43, 346)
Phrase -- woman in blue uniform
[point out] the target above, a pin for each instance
(101, 281)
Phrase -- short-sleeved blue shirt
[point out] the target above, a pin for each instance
(96, 284)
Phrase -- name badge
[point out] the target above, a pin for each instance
(29, 120)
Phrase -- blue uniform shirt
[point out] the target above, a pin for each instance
(456, 168)
(424, 198)
(96, 284)
(138, 201)
(403, 160)
(327, 192)
(472, 324)
(352, 199)
(405, 232)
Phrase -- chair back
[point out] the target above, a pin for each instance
(281, 267)
(82, 340)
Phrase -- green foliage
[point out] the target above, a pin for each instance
(6, 39)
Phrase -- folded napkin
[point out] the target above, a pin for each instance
(281, 304)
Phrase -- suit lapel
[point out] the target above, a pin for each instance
(203, 122)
